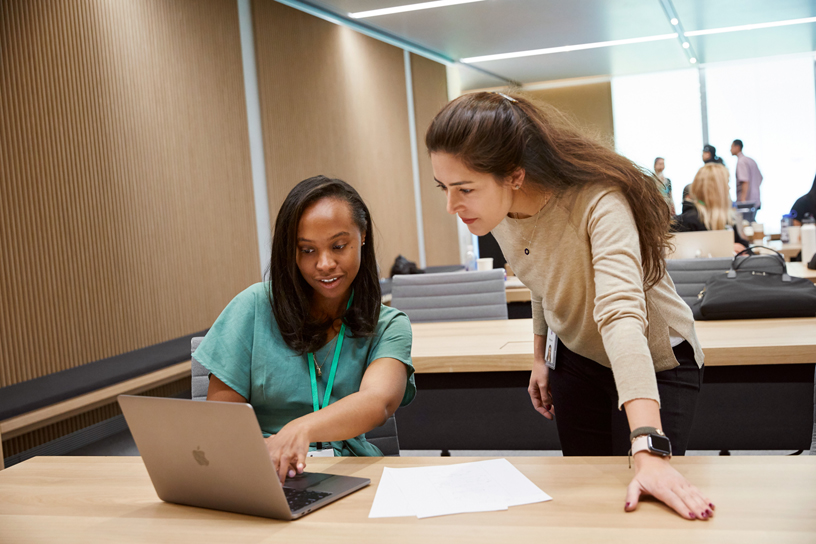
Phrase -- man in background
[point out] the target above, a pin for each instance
(748, 176)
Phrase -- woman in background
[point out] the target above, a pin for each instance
(313, 350)
(586, 230)
(710, 206)
(666, 186)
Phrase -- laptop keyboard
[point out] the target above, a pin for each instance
(298, 499)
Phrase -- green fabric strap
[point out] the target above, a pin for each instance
(330, 383)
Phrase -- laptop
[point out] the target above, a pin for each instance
(213, 455)
(703, 244)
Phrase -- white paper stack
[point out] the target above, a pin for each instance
(483, 486)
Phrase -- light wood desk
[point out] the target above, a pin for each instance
(111, 499)
(800, 270)
(485, 346)
(787, 250)
(473, 379)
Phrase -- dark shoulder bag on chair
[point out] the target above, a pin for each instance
(746, 293)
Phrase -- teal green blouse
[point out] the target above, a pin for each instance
(245, 350)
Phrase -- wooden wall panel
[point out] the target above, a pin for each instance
(590, 105)
(334, 102)
(126, 204)
(430, 86)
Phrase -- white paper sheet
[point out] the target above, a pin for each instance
(481, 486)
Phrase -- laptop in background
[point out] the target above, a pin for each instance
(702, 244)
(213, 455)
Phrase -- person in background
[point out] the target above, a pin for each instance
(710, 155)
(806, 204)
(709, 206)
(627, 364)
(313, 350)
(686, 195)
(666, 187)
(749, 178)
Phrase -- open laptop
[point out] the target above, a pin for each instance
(703, 244)
(212, 455)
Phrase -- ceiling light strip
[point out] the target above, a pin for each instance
(751, 27)
(674, 20)
(567, 48)
(409, 7)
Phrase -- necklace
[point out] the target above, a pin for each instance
(532, 234)
(325, 357)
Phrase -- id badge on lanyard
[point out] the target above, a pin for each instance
(327, 395)
(552, 347)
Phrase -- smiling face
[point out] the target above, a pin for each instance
(329, 250)
(478, 199)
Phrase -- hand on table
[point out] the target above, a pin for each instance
(656, 477)
(288, 449)
(539, 390)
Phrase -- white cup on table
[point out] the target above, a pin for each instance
(794, 235)
(485, 263)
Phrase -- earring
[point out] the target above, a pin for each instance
(516, 187)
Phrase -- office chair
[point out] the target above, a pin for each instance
(384, 437)
(451, 296)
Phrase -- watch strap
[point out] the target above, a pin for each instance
(643, 431)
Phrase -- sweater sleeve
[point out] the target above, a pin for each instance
(620, 302)
(540, 327)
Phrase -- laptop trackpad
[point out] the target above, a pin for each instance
(306, 480)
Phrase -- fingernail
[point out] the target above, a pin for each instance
(711, 505)
(709, 513)
(291, 473)
(300, 467)
(627, 505)
(692, 516)
(703, 515)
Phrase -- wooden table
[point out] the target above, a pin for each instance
(111, 499)
(488, 346)
(800, 270)
(473, 376)
(787, 250)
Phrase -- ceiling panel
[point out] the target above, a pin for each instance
(502, 26)
(624, 59)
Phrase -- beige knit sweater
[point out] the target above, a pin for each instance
(585, 274)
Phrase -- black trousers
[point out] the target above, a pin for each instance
(586, 403)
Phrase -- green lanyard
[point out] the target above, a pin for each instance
(330, 383)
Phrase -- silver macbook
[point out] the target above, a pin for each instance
(212, 455)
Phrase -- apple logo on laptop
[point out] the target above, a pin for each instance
(200, 457)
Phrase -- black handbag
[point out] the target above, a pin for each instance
(751, 292)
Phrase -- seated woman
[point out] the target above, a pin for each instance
(806, 204)
(709, 206)
(313, 350)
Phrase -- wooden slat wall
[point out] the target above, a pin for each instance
(334, 102)
(590, 105)
(430, 87)
(126, 204)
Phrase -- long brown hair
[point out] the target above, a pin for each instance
(497, 133)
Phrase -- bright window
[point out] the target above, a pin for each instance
(658, 115)
(771, 106)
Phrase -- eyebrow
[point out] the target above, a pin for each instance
(454, 184)
(338, 235)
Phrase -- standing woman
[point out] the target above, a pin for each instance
(313, 350)
(586, 230)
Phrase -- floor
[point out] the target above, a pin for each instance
(122, 444)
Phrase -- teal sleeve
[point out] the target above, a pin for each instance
(226, 350)
(393, 341)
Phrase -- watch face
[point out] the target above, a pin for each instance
(659, 444)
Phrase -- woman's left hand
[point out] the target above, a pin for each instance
(288, 450)
(656, 477)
